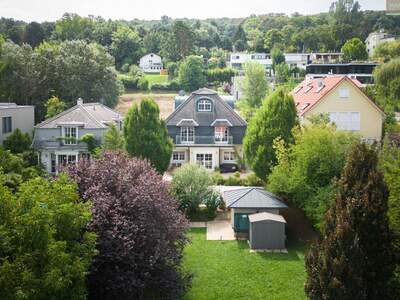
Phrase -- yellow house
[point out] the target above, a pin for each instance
(344, 101)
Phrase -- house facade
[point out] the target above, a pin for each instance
(151, 63)
(58, 139)
(376, 38)
(206, 130)
(238, 59)
(343, 100)
(15, 116)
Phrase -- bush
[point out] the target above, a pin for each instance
(128, 82)
(212, 201)
(253, 180)
(219, 76)
(170, 86)
(191, 185)
(141, 234)
(143, 84)
(45, 249)
(17, 142)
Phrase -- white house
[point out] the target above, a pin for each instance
(238, 59)
(15, 116)
(297, 60)
(376, 38)
(151, 63)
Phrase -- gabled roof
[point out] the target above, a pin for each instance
(87, 115)
(265, 216)
(311, 91)
(251, 197)
(221, 110)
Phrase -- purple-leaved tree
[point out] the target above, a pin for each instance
(141, 234)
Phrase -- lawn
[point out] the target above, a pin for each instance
(227, 270)
(156, 78)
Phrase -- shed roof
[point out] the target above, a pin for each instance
(265, 216)
(251, 197)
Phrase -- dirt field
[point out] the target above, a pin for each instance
(165, 102)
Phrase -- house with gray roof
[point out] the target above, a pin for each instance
(206, 130)
(58, 139)
(242, 202)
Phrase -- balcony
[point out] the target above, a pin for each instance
(58, 144)
(204, 140)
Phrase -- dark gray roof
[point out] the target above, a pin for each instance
(251, 197)
(88, 115)
(221, 110)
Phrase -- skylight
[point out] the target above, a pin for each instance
(308, 89)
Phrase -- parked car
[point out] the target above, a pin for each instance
(228, 168)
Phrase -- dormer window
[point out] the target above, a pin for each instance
(204, 105)
(70, 135)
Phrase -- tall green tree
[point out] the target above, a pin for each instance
(275, 119)
(126, 46)
(386, 51)
(191, 73)
(34, 34)
(255, 85)
(354, 49)
(273, 39)
(354, 259)
(387, 85)
(146, 135)
(45, 251)
(277, 56)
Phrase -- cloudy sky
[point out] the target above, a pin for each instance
(50, 10)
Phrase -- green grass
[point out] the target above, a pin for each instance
(156, 78)
(227, 270)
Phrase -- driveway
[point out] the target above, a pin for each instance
(220, 231)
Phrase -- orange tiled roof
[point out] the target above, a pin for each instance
(311, 91)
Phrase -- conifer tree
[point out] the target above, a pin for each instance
(146, 135)
(354, 259)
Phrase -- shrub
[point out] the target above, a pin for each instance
(212, 201)
(191, 185)
(253, 180)
(17, 142)
(141, 234)
(219, 76)
(45, 249)
(170, 86)
(143, 84)
(91, 142)
(128, 82)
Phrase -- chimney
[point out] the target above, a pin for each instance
(79, 101)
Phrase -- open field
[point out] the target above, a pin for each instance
(164, 100)
(227, 270)
(156, 78)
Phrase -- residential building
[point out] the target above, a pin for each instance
(206, 130)
(151, 63)
(297, 60)
(238, 59)
(58, 139)
(376, 38)
(344, 101)
(15, 116)
(325, 57)
(362, 71)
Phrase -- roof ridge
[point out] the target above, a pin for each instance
(244, 194)
(91, 116)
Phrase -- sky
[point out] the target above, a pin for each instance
(50, 10)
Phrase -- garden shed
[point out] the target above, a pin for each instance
(244, 201)
(267, 231)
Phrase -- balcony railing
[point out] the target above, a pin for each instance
(58, 143)
(203, 140)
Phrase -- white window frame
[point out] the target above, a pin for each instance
(205, 160)
(229, 156)
(347, 121)
(67, 133)
(187, 134)
(178, 156)
(221, 134)
(344, 93)
(204, 105)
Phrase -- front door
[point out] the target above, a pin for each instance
(205, 160)
(241, 223)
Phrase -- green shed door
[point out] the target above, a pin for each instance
(241, 222)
